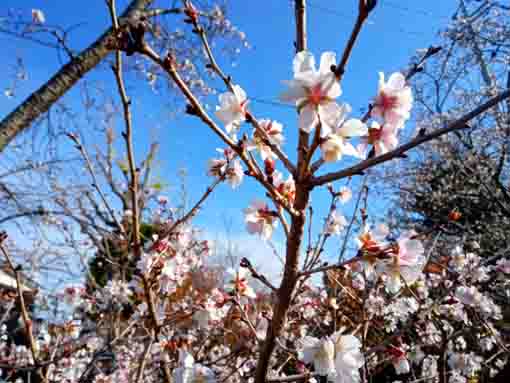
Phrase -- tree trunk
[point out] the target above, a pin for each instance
(42, 99)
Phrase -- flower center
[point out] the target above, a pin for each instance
(374, 135)
(388, 102)
(315, 96)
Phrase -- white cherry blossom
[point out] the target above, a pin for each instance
(313, 91)
(232, 109)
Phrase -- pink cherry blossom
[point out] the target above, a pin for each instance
(394, 100)
(286, 188)
(406, 262)
(273, 130)
(260, 219)
(238, 283)
(313, 91)
(382, 137)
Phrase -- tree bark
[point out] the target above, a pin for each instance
(43, 98)
(290, 277)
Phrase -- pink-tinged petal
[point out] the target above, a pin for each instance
(380, 148)
(328, 59)
(308, 118)
(227, 99)
(396, 81)
(353, 128)
(295, 92)
(239, 93)
(328, 112)
(225, 115)
(330, 87)
(254, 227)
(377, 112)
(303, 62)
(259, 204)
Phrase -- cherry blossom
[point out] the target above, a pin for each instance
(191, 372)
(336, 223)
(382, 137)
(232, 109)
(313, 91)
(273, 130)
(344, 194)
(38, 16)
(394, 100)
(260, 219)
(228, 167)
(320, 352)
(348, 358)
(406, 262)
(286, 188)
(237, 282)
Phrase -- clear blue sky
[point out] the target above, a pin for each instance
(396, 29)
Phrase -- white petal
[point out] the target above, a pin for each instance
(328, 59)
(328, 112)
(330, 86)
(295, 92)
(239, 93)
(308, 118)
(396, 81)
(303, 62)
(353, 128)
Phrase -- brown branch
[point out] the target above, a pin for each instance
(255, 274)
(95, 184)
(456, 125)
(295, 237)
(24, 312)
(363, 11)
(128, 136)
(194, 210)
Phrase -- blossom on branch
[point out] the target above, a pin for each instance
(274, 133)
(227, 167)
(348, 358)
(38, 16)
(260, 219)
(313, 91)
(336, 223)
(237, 283)
(382, 137)
(406, 262)
(191, 372)
(320, 352)
(394, 100)
(232, 109)
(286, 188)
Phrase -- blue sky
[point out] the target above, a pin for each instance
(395, 30)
